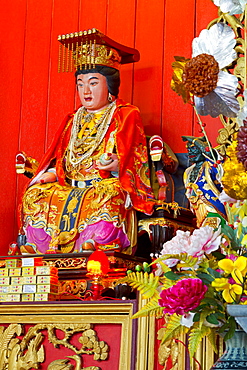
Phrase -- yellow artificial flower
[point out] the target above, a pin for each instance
(230, 266)
(220, 283)
(229, 290)
(230, 293)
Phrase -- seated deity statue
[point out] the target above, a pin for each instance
(95, 175)
(202, 182)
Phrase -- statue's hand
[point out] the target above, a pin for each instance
(112, 166)
(47, 177)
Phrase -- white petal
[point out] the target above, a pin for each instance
(223, 197)
(218, 41)
(244, 221)
(222, 100)
(232, 6)
(187, 319)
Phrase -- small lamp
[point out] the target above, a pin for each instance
(97, 267)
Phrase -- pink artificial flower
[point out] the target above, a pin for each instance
(205, 240)
(182, 297)
(201, 241)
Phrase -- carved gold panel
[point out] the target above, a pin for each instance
(25, 328)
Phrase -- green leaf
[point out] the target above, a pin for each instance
(214, 273)
(164, 267)
(220, 315)
(230, 234)
(173, 328)
(206, 279)
(219, 256)
(232, 328)
(210, 301)
(152, 308)
(212, 339)
(172, 276)
(146, 283)
(212, 319)
(196, 317)
(195, 338)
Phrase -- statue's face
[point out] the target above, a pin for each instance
(93, 91)
(194, 154)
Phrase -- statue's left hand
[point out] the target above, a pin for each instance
(47, 177)
(113, 166)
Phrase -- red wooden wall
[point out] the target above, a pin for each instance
(34, 98)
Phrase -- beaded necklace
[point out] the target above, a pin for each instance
(101, 128)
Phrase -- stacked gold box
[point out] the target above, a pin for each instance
(26, 279)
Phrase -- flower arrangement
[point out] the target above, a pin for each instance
(192, 287)
(197, 275)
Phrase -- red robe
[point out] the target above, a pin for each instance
(131, 151)
(44, 208)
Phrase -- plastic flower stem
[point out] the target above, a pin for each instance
(198, 363)
(204, 132)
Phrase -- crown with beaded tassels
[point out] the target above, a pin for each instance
(86, 49)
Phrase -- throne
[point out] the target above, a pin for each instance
(171, 211)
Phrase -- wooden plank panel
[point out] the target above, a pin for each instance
(93, 14)
(121, 27)
(177, 117)
(40, 98)
(62, 85)
(35, 83)
(202, 21)
(36, 77)
(12, 30)
(148, 71)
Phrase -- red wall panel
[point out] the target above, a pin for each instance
(35, 98)
(12, 41)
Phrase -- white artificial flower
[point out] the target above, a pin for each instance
(224, 198)
(202, 241)
(231, 6)
(219, 42)
(187, 319)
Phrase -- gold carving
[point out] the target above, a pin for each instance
(67, 263)
(16, 354)
(74, 287)
(103, 192)
(28, 353)
(63, 364)
(146, 223)
(166, 350)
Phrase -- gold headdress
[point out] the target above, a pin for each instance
(86, 49)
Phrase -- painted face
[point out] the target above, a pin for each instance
(93, 91)
(194, 153)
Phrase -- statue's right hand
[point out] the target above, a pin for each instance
(47, 177)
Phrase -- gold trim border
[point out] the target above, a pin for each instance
(94, 313)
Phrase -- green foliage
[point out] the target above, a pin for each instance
(212, 319)
(172, 276)
(230, 234)
(152, 308)
(207, 279)
(195, 337)
(214, 273)
(212, 338)
(229, 327)
(173, 327)
(142, 281)
(187, 261)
